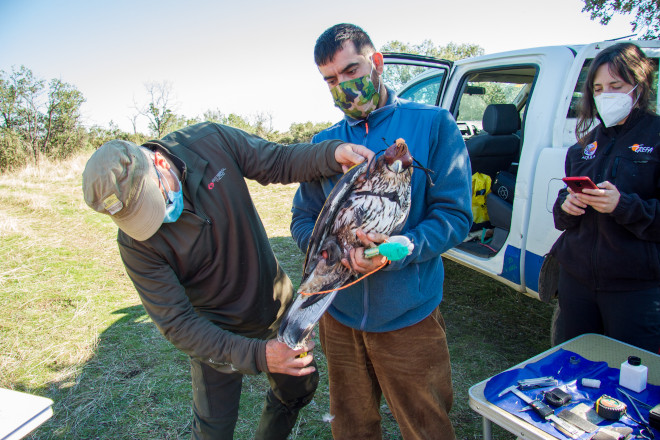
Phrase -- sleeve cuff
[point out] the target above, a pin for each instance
(623, 207)
(330, 155)
(260, 356)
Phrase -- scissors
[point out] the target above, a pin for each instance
(644, 423)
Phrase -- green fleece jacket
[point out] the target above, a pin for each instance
(210, 281)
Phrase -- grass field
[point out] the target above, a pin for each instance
(72, 327)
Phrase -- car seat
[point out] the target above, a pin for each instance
(499, 147)
(499, 203)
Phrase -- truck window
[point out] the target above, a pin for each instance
(480, 89)
(415, 83)
(425, 91)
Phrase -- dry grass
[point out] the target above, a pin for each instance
(72, 327)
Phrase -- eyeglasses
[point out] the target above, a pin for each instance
(161, 185)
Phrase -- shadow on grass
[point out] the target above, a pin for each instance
(136, 385)
(490, 328)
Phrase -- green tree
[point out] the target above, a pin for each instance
(302, 132)
(180, 122)
(213, 116)
(232, 119)
(260, 124)
(452, 51)
(21, 98)
(12, 150)
(97, 136)
(396, 76)
(19, 90)
(158, 110)
(647, 14)
(37, 120)
(61, 124)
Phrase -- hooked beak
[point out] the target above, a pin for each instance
(396, 167)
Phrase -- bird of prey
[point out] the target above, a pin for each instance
(373, 197)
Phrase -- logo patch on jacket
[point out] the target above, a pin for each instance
(217, 178)
(641, 148)
(589, 151)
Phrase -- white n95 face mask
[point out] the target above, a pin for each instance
(613, 107)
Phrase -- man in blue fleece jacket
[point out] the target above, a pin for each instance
(385, 335)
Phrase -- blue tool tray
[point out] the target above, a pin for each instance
(569, 368)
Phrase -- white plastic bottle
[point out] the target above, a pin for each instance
(633, 374)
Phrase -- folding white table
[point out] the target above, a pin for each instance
(21, 413)
(590, 346)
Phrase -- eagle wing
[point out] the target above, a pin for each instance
(305, 311)
(326, 218)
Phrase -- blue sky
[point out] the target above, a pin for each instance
(251, 56)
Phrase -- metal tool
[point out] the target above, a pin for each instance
(576, 420)
(538, 382)
(643, 421)
(632, 402)
(641, 402)
(545, 412)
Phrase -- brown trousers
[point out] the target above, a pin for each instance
(410, 367)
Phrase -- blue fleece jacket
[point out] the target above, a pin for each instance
(406, 291)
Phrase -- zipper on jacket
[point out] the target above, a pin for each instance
(365, 282)
(204, 217)
(199, 212)
(365, 303)
(200, 216)
(602, 177)
(608, 149)
(615, 165)
(594, 252)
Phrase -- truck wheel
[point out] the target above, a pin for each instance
(556, 327)
(549, 279)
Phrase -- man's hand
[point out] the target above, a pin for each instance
(284, 360)
(349, 155)
(358, 262)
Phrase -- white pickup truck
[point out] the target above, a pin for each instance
(516, 111)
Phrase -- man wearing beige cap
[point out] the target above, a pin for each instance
(195, 248)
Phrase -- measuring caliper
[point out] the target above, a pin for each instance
(545, 412)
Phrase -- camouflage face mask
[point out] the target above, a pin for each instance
(356, 97)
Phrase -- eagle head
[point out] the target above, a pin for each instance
(397, 157)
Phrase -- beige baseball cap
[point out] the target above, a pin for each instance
(120, 180)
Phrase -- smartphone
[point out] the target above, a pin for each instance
(577, 184)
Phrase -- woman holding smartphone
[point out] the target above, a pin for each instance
(609, 252)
